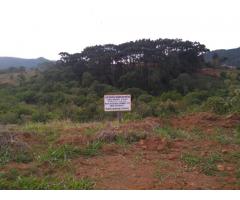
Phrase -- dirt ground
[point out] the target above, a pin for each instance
(156, 162)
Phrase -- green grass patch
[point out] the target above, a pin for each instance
(59, 154)
(8, 155)
(221, 137)
(207, 165)
(237, 134)
(35, 183)
(190, 159)
(92, 149)
(171, 133)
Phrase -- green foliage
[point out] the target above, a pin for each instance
(190, 159)
(209, 164)
(217, 105)
(92, 149)
(166, 108)
(206, 164)
(161, 84)
(59, 154)
(9, 117)
(196, 97)
(171, 95)
(135, 92)
(171, 133)
(146, 98)
(87, 79)
(143, 109)
(13, 181)
(40, 116)
(237, 134)
(8, 154)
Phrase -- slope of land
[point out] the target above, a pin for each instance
(232, 56)
(6, 62)
(198, 151)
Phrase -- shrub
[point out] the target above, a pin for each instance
(135, 92)
(9, 118)
(143, 109)
(171, 95)
(40, 116)
(217, 105)
(166, 108)
(145, 98)
(196, 97)
(59, 154)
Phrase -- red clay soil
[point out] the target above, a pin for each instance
(205, 121)
(151, 164)
(155, 163)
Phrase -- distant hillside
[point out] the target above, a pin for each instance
(232, 56)
(6, 62)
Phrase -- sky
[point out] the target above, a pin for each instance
(43, 28)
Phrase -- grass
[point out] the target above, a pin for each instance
(53, 129)
(122, 141)
(171, 133)
(160, 174)
(198, 133)
(92, 149)
(221, 137)
(59, 154)
(64, 153)
(237, 134)
(207, 165)
(190, 159)
(36, 183)
(7, 155)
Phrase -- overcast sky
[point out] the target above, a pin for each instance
(34, 28)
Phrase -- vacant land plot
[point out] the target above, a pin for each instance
(198, 151)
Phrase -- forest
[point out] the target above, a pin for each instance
(163, 76)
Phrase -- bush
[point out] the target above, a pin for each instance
(40, 116)
(9, 118)
(196, 97)
(166, 108)
(171, 95)
(144, 110)
(217, 105)
(146, 98)
(135, 92)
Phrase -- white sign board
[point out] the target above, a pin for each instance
(117, 102)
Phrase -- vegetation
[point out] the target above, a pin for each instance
(160, 75)
(57, 130)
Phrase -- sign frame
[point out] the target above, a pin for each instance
(118, 110)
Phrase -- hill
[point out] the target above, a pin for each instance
(6, 62)
(228, 56)
(182, 131)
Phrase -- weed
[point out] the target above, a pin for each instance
(208, 166)
(221, 137)
(160, 176)
(59, 154)
(34, 183)
(7, 155)
(171, 133)
(237, 134)
(190, 159)
(198, 133)
(92, 149)
(120, 140)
